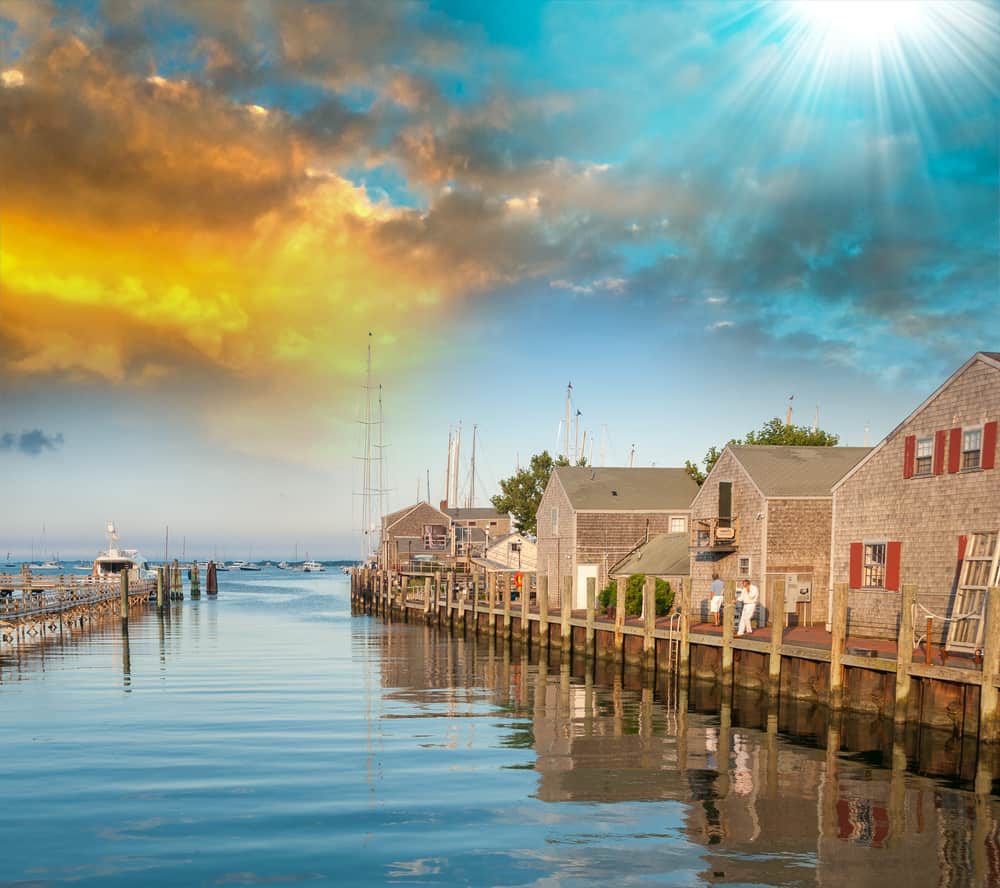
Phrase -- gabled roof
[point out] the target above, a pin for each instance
(665, 555)
(780, 470)
(394, 518)
(477, 514)
(991, 359)
(626, 490)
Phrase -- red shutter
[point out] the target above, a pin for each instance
(962, 541)
(892, 566)
(857, 555)
(989, 459)
(955, 451)
(909, 453)
(940, 444)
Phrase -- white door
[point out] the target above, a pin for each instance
(583, 571)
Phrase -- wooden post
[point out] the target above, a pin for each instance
(904, 653)
(525, 593)
(777, 611)
(988, 728)
(475, 603)
(491, 595)
(728, 612)
(649, 624)
(927, 644)
(620, 618)
(427, 598)
(838, 640)
(565, 609)
(591, 605)
(449, 594)
(159, 589)
(178, 585)
(123, 580)
(211, 580)
(543, 611)
(684, 655)
(195, 580)
(506, 604)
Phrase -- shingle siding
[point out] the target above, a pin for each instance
(798, 540)
(926, 514)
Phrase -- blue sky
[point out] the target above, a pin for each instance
(690, 210)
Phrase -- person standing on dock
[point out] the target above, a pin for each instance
(749, 596)
(715, 602)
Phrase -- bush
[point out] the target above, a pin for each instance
(633, 596)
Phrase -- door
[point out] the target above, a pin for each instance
(583, 571)
(978, 572)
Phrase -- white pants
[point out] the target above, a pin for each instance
(745, 617)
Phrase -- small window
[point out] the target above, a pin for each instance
(515, 547)
(555, 521)
(972, 448)
(744, 566)
(678, 525)
(873, 576)
(493, 524)
(925, 456)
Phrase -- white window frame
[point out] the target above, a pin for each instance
(683, 522)
(871, 567)
(744, 574)
(967, 451)
(927, 442)
(974, 557)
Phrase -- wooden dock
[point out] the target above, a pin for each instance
(887, 678)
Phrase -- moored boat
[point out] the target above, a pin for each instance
(312, 567)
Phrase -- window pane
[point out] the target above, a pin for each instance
(925, 447)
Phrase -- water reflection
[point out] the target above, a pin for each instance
(773, 793)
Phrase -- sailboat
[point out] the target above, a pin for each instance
(8, 562)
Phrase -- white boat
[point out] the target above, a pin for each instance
(312, 567)
(249, 565)
(282, 565)
(114, 561)
(8, 562)
(236, 565)
(221, 565)
(49, 565)
(83, 566)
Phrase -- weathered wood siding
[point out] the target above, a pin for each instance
(556, 549)
(798, 541)
(926, 514)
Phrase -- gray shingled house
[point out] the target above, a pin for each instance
(765, 513)
(591, 518)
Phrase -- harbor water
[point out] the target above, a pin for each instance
(269, 737)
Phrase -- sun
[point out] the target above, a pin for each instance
(860, 23)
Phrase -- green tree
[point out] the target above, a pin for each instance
(773, 431)
(521, 493)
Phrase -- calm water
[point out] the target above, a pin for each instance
(270, 738)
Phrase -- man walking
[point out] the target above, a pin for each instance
(749, 596)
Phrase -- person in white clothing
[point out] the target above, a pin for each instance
(749, 596)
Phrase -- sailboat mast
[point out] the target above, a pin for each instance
(472, 472)
(454, 478)
(381, 464)
(366, 483)
(447, 476)
(569, 393)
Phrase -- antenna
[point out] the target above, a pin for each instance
(788, 415)
(590, 458)
(631, 457)
(816, 420)
(576, 437)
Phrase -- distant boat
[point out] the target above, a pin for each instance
(221, 565)
(113, 561)
(313, 567)
(249, 565)
(9, 563)
(82, 566)
(282, 565)
(236, 565)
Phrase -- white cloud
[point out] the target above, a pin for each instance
(720, 325)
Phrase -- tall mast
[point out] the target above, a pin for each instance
(470, 501)
(366, 480)
(631, 457)
(569, 395)
(447, 477)
(576, 438)
(454, 475)
(583, 447)
(381, 466)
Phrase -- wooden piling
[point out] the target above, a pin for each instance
(525, 594)
(565, 610)
(684, 654)
(988, 727)
(177, 585)
(427, 599)
(195, 580)
(838, 641)
(591, 606)
(159, 589)
(649, 624)
(728, 614)
(776, 609)
(543, 611)
(620, 619)
(123, 580)
(212, 579)
(904, 653)
(506, 604)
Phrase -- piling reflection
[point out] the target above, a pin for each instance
(774, 792)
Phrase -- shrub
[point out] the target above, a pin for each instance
(609, 595)
(664, 597)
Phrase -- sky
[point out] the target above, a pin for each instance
(690, 211)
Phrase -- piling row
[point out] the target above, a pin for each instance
(839, 676)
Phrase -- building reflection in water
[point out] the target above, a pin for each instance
(776, 794)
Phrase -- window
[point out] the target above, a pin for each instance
(493, 524)
(515, 547)
(972, 447)
(555, 521)
(978, 567)
(744, 566)
(678, 525)
(925, 456)
(873, 576)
